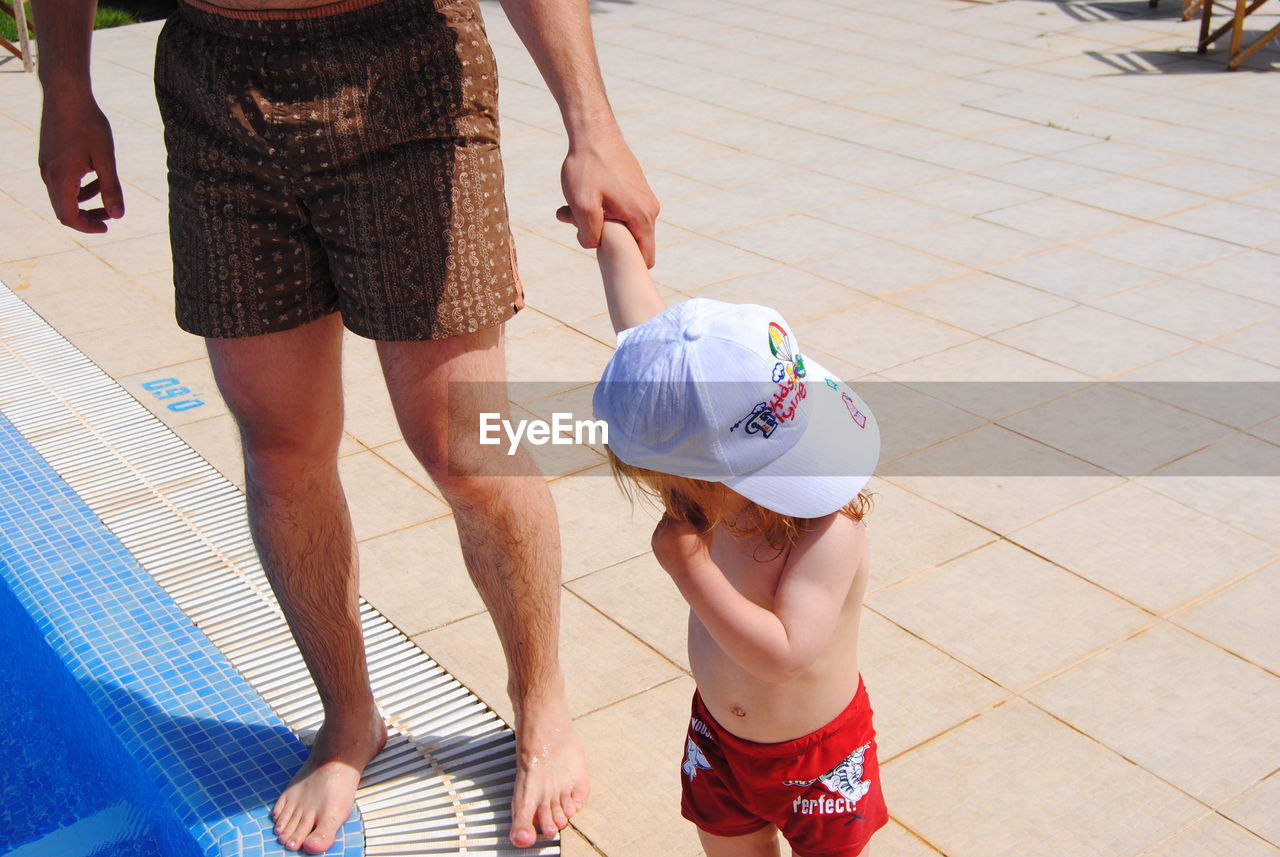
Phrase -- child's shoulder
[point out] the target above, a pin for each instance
(835, 535)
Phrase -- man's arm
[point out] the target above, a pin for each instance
(75, 137)
(600, 177)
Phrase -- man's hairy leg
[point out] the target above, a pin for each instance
(510, 543)
(285, 391)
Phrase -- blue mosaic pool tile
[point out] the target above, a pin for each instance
(213, 746)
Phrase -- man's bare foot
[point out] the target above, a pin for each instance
(551, 774)
(318, 800)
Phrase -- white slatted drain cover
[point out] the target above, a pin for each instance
(443, 784)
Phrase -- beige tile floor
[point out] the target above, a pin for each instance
(934, 190)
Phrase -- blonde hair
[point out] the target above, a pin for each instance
(702, 504)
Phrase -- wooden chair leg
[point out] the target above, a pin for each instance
(1236, 22)
(23, 49)
(1234, 62)
(24, 42)
(1206, 15)
(1237, 28)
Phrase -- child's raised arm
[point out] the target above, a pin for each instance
(630, 293)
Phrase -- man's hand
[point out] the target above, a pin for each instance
(680, 547)
(75, 140)
(602, 179)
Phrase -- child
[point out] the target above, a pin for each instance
(758, 456)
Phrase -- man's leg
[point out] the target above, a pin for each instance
(285, 391)
(511, 546)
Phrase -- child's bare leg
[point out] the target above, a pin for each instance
(762, 843)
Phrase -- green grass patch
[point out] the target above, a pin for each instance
(107, 16)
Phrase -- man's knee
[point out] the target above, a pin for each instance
(278, 460)
(466, 472)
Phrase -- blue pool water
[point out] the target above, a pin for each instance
(70, 788)
(123, 730)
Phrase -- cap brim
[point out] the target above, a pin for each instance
(830, 463)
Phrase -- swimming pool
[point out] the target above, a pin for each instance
(70, 787)
(123, 731)
(131, 557)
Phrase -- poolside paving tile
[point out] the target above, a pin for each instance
(1093, 342)
(1214, 383)
(999, 479)
(909, 534)
(821, 296)
(1216, 835)
(1261, 342)
(218, 442)
(975, 242)
(1139, 197)
(148, 346)
(417, 576)
(1008, 614)
(1125, 697)
(634, 748)
(1061, 793)
(594, 653)
(877, 335)
(917, 691)
(1229, 221)
(1255, 809)
(1071, 272)
(1117, 428)
(599, 526)
(881, 268)
(639, 596)
(1057, 219)
(195, 375)
(1243, 618)
(1188, 309)
(1161, 247)
(1210, 179)
(1047, 175)
(791, 239)
(981, 303)
(970, 194)
(382, 499)
(885, 215)
(1181, 555)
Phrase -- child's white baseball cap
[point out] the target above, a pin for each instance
(722, 392)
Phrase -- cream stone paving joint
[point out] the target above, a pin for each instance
(1077, 657)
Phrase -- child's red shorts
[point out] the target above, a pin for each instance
(822, 791)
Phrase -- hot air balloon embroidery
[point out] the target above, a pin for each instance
(780, 347)
(845, 779)
(694, 760)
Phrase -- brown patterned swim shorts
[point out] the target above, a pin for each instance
(341, 158)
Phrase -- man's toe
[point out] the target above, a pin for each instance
(321, 838)
(522, 836)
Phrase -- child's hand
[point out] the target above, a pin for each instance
(679, 546)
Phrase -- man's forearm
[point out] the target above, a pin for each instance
(66, 29)
(557, 34)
